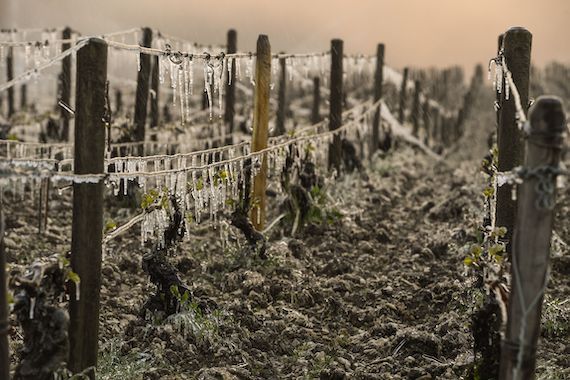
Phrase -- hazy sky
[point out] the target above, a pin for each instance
(416, 32)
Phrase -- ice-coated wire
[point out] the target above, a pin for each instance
(31, 30)
(188, 42)
(50, 42)
(27, 75)
(171, 53)
(322, 135)
(177, 155)
(37, 43)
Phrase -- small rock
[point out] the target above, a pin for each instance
(344, 362)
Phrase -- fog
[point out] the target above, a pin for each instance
(416, 32)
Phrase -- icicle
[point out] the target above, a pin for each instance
(162, 68)
(46, 50)
(229, 64)
(181, 93)
(77, 291)
(186, 89)
(208, 81)
(32, 307)
(139, 60)
(173, 78)
(37, 56)
(238, 69)
(222, 70)
(250, 71)
(28, 53)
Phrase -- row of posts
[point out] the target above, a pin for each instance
(437, 126)
(527, 211)
(89, 144)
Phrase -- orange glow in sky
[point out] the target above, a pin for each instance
(417, 33)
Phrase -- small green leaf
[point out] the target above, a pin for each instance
(200, 184)
(476, 250)
(110, 225)
(74, 277)
(489, 192)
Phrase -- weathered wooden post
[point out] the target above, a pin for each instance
(416, 108)
(261, 127)
(10, 76)
(141, 100)
(205, 100)
(118, 101)
(23, 97)
(517, 46)
(230, 86)
(403, 96)
(531, 240)
(65, 86)
(427, 121)
(154, 99)
(4, 323)
(335, 102)
(316, 109)
(446, 137)
(378, 81)
(281, 99)
(87, 227)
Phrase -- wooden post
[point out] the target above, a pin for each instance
(517, 45)
(531, 240)
(436, 125)
(65, 85)
(205, 101)
(336, 96)
(416, 108)
(118, 101)
(378, 81)
(446, 131)
(261, 127)
(459, 122)
(4, 322)
(154, 99)
(23, 97)
(230, 85)
(10, 76)
(316, 110)
(427, 121)
(403, 96)
(87, 226)
(141, 101)
(281, 101)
